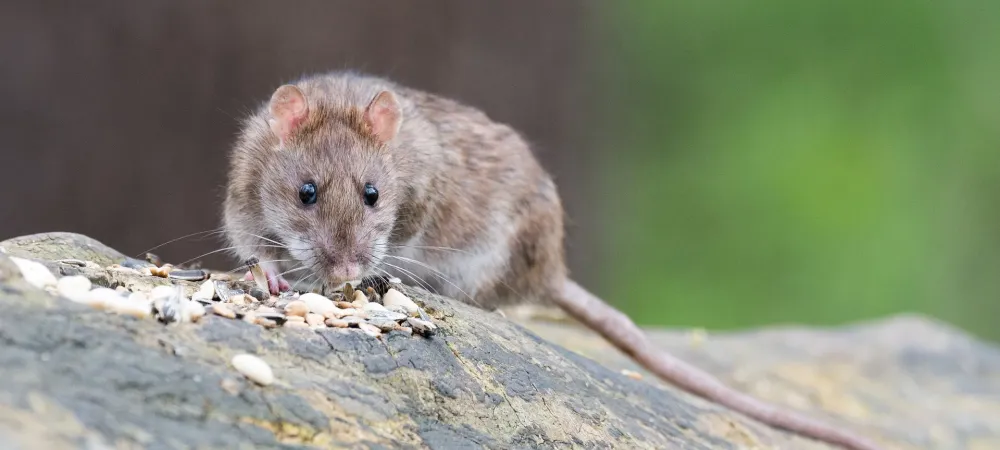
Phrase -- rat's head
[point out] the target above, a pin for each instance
(313, 185)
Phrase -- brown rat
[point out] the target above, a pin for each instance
(344, 175)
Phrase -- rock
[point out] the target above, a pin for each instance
(481, 382)
(395, 298)
(253, 368)
(35, 273)
(317, 303)
(74, 287)
(370, 329)
(56, 246)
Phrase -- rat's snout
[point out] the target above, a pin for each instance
(339, 263)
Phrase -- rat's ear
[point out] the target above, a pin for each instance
(383, 116)
(288, 109)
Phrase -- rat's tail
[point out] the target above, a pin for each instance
(618, 329)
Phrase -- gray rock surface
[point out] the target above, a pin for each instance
(76, 377)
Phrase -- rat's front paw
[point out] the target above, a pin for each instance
(275, 284)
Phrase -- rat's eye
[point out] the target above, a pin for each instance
(371, 194)
(307, 193)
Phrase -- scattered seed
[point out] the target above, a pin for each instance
(353, 320)
(314, 319)
(317, 303)
(295, 319)
(296, 324)
(193, 311)
(220, 276)
(405, 330)
(165, 291)
(393, 297)
(262, 295)
(296, 308)
(371, 294)
(73, 262)
(360, 297)
(221, 309)
(253, 368)
(188, 275)
(250, 317)
(344, 305)
(338, 313)
(337, 323)
(239, 299)
(421, 326)
(138, 297)
(100, 297)
(146, 272)
(370, 329)
(374, 307)
(74, 287)
(259, 278)
(131, 306)
(35, 272)
(122, 290)
(265, 322)
(153, 259)
(231, 386)
(395, 280)
(631, 374)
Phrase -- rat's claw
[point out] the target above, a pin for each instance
(274, 284)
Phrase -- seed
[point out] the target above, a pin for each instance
(631, 374)
(393, 297)
(337, 323)
(383, 315)
(295, 319)
(231, 386)
(265, 322)
(162, 292)
(296, 324)
(253, 368)
(370, 329)
(297, 308)
(317, 303)
(405, 330)
(338, 313)
(259, 278)
(35, 272)
(421, 326)
(131, 306)
(344, 305)
(349, 291)
(360, 297)
(188, 275)
(100, 297)
(314, 319)
(239, 299)
(374, 307)
(221, 309)
(74, 287)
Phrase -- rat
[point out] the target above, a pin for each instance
(344, 175)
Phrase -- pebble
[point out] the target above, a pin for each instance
(35, 272)
(74, 287)
(370, 329)
(295, 319)
(317, 303)
(344, 305)
(297, 308)
(296, 324)
(369, 307)
(315, 320)
(221, 309)
(253, 368)
(393, 297)
(337, 323)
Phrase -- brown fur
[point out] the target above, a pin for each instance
(450, 179)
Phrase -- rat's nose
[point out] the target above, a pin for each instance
(330, 256)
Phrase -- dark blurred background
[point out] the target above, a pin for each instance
(723, 164)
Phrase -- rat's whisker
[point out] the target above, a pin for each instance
(436, 273)
(226, 249)
(207, 232)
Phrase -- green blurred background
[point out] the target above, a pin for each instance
(809, 162)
